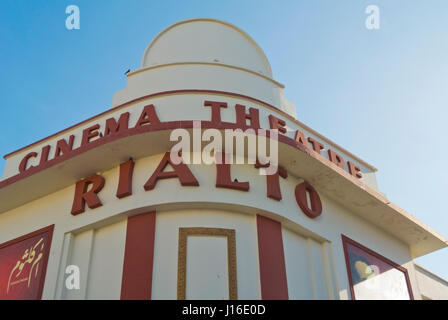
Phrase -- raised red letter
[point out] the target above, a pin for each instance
(242, 116)
(336, 158)
(114, 126)
(148, 116)
(317, 146)
(63, 147)
(273, 181)
(276, 123)
(89, 133)
(82, 196)
(181, 171)
(24, 162)
(302, 201)
(354, 170)
(216, 110)
(125, 179)
(300, 138)
(223, 179)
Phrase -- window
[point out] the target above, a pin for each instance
(372, 276)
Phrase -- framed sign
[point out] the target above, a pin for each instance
(374, 277)
(23, 264)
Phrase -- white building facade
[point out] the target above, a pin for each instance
(104, 198)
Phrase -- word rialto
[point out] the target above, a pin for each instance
(97, 134)
(86, 190)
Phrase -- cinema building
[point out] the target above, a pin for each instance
(100, 210)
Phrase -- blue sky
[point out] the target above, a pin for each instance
(382, 94)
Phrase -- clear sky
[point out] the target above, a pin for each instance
(382, 94)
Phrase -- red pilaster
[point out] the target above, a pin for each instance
(274, 285)
(136, 283)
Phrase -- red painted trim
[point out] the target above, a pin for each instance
(274, 285)
(346, 240)
(170, 125)
(48, 229)
(136, 283)
(147, 97)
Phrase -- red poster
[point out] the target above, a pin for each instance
(23, 263)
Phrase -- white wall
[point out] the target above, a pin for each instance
(98, 252)
(326, 230)
(166, 252)
(431, 286)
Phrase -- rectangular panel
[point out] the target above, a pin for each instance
(79, 255)
(319, 266)
(106, 264)
(23, 264)
(207, 271)
(300, 286)
(98, 253)
(166, 246)
(184, 234)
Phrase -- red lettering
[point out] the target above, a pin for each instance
(24, 162)
(354, 170)
(125, 179)
(242, 116)
(216, 110)
(44, 155)
(113, 126)
(63, 147)
(148, 116)
(89, 133)
(301, 198)
(273, 181)
(300, 138)
(223, 177)
(180, 171)
(317, 146)
(336, 158)
(276, 123)
(83, 195)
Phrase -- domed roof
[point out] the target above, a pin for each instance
(207, 41)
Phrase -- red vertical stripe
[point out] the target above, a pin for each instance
(136, 283)
(274, 285)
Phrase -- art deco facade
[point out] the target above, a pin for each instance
(104, 198)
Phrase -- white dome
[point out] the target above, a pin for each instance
(206, 41)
